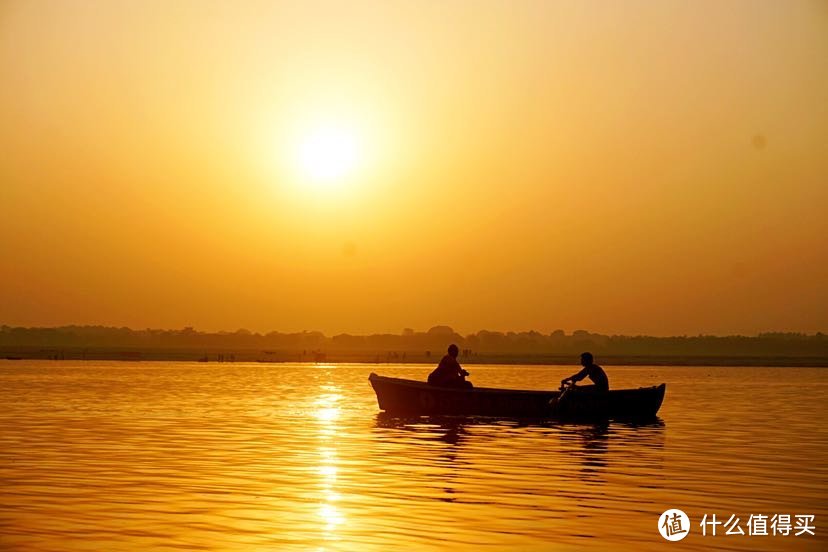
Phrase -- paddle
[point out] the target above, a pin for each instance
(555, 402)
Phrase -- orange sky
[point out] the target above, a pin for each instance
(621, 167)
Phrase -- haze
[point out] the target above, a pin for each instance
(635, 167)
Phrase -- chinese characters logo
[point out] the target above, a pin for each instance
(757, 524)
(674, 525)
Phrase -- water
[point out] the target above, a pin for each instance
(177, 456)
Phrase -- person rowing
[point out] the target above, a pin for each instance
(600, 382)
(449, 373)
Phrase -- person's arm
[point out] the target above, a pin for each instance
(457, 368)
(577, 377)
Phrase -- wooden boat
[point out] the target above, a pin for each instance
(402, 396)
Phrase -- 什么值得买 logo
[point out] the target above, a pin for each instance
(674, 524)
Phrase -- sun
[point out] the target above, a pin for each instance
(327, 155)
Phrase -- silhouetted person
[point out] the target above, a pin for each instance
(593, 372)
(449, 373)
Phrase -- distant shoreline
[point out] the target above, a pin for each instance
(410, 346)
(11, 353)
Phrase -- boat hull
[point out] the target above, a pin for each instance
(407, 397)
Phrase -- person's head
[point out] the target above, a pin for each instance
(586, 359)
(453, 350)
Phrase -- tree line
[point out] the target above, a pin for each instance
(431, 342)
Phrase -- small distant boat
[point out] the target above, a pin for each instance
(403, 396)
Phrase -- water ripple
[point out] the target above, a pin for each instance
(173, 456)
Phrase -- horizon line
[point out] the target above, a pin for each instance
(441, 329)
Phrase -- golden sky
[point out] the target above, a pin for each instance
(623, 167)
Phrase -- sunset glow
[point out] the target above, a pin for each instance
(371, 167)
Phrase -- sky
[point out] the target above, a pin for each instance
(621, 167)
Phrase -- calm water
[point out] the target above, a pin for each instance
(136, 456)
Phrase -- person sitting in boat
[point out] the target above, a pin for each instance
(593, 372)
(449, 373)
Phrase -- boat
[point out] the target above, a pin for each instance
(411, 397)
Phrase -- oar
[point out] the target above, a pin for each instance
(555, 402)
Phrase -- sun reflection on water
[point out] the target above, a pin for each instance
(327, 416)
